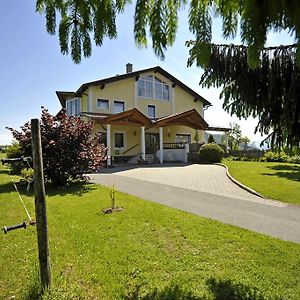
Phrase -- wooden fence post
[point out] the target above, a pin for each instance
(40, 205)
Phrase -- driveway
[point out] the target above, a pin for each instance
(206, 190)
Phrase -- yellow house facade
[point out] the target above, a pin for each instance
(146, 114)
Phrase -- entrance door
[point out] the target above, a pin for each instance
(152, 142)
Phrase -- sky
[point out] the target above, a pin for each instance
(32, 67)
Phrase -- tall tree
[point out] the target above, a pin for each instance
(84, 20)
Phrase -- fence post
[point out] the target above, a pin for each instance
(40, 205)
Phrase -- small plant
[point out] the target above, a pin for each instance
(112, 193)
(27, 176)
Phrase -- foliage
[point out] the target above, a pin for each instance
(294, 159)
(69, 150)
(269, 92)
(98, 256)
(27, 174)
(275, 156)
(14, 151)
(196, 137)
(234, 136)
(212, 153)
(211, 139)
(80, 21)
(244, 142)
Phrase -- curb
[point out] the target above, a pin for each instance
(244, 187)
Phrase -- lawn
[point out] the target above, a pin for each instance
(148, 251)
(280, 181)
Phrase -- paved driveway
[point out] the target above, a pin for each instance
(207, 191)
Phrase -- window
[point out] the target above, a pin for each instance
(102, 104)
(183, 138)
(119, 140)
(73, 107)
(153, 87)
(118, 106)
(151, 111)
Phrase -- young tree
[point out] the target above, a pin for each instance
(234, 136)
(69, 150)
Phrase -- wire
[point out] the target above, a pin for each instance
(29, 217)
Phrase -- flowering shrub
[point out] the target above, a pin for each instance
(69, 150)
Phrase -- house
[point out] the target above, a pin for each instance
(147, 113)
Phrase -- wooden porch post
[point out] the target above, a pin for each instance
(143, 148)
(161, 145)
(108, 142)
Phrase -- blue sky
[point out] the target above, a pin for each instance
(32, 67)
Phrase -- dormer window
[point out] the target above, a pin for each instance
(154, 88)
(73, 107)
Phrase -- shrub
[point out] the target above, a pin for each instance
(210, 139)
(15, 151)
(271, 156)
(69, 150)
(294, 159)
(212, 153)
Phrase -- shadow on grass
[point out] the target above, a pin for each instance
(220, 290)
(285, 171)
(228, 290)
(170, 292)
(6, 188)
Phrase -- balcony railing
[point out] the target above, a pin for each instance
(174, 145)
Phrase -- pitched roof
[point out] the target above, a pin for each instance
(157, 69)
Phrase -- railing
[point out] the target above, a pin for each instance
(130, 148)
(174, 145)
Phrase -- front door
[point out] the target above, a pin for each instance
(152, 142)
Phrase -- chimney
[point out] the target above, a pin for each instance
(128, 68)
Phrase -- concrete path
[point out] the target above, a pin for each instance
(205, 190)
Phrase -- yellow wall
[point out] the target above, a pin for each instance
(184, 101)
(123, 90)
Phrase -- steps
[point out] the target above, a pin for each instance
(134, 160)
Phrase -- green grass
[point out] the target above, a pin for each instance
(148, 251)
(280, 181)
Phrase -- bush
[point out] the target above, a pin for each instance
(211, 153)
(69, 150)
(15, 151)
(271, 156)
(294, 159)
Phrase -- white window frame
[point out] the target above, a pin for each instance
(154, 111)
(153, 82)
(124, 139)
(119, 102)
(103, 100)
(73, 113)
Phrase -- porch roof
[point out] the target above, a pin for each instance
(134, 117)
(190, 118)
(131, 117)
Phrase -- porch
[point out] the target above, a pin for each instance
(132, 137)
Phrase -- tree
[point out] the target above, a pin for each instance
(82, 20)
(269, 92)
(69, 150)
(211, 139)
(244, 142)
(234, 136)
